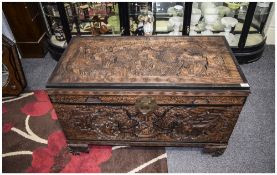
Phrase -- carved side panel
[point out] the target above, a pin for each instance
(166, 123)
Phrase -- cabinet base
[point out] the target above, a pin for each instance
(214, 149)
(249, 54)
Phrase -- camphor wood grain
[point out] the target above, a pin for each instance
(147, 60)
(148, 91)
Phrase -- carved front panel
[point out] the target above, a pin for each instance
(165, 123)
(170, 60)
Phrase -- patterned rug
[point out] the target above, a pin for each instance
(34, 142)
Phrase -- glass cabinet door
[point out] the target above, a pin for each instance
(256, 35)
(169, 18)
(93, 18)
(227, 19)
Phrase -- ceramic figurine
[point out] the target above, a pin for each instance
(176, 22)
(59, 34)
(145, 24)
(171, 11)
(178, 8)
(229, 22)
(223, 11)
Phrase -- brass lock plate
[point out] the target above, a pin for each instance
(146, 105)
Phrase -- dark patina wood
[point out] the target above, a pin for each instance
(148, 91)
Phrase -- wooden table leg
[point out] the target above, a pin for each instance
(215, 150)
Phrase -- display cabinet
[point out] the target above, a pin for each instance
(58, 27)
(81, 18)
(141, 18)
(25, 20)
(169, 18)
(242, 23)
(93, 18)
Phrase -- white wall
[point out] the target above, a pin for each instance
(6, 30)
(270, 27)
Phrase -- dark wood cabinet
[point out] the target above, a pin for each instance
(27, 24)
(13, 79)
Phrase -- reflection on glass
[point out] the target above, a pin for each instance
(261, 13)
(169, 18)
(5, 75)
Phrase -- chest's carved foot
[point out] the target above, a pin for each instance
(76, 149)
(214, 150)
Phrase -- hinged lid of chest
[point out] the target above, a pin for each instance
(148, 62)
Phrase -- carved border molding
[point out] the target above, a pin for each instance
(159, 99)
(147, 60)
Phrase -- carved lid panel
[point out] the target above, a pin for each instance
(156, 60)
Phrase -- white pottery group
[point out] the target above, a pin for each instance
(212, 16)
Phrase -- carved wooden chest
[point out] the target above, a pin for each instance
(148, 91)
